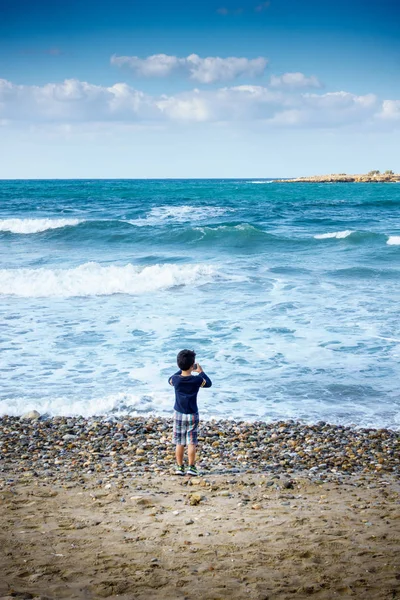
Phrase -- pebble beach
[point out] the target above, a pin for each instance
(116, 447)
(91, 508)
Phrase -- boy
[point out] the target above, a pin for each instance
(186, 416)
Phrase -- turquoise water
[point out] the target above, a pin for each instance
(287, 292)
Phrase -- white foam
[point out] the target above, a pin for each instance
(180, 214)
(241, 227)
(25, 226)
(394, 240)
(92, 279)
(65, 406)
(335, 234)
(260, 182)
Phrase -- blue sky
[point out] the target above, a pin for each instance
(94, 88)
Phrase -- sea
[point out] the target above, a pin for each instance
(288, 293)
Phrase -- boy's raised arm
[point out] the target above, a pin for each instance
(206, 380)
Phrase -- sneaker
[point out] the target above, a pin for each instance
(192, 470)
(179, 470)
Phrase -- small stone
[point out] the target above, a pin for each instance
(195, 499)
(141, 501)
(189, 522)
(287, 484)
(32, 415)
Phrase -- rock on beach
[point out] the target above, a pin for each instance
(32, 415)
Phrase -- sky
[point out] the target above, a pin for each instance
(217, 88)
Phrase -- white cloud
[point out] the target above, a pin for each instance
(191, 106)
(203, 70)
(294, 81)
(333, 109)
(75, 101)
(390, 110)
(158, 65)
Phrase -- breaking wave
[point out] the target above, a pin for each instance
(26, 226)
(335, 234)
(394, 240)
(179, 214)
(93, 279)
(260, 182)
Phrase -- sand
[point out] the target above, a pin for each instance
(159, 536)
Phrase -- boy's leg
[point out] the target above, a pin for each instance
(179, 452)
(179, 437)
(192, 454)
(192, 436)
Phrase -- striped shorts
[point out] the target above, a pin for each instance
(185, 428)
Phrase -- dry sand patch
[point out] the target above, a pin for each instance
(247, 537)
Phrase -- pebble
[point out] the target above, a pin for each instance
(32, 415)
(195, 499)
(141, 501)
(69, 448)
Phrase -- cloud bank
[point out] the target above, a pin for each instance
(294, 81)
(79, 101)
(203, 70)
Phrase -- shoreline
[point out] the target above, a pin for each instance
(90, 509)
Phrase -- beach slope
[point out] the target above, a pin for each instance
(101, 516)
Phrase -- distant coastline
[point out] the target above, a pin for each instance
(371, 177)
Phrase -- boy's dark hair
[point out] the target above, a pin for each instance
(185, 359)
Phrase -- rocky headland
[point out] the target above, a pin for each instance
(371, 177)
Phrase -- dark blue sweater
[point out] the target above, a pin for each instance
(186, 389)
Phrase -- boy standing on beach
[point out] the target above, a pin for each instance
(186, 415)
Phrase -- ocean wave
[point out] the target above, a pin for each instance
(334, 234)
(118, 404)
(365, 273)
(394, 240)
(179, 214)
(245, 228)
(25, 226)
(360, 236)
(227, 236)
(93, 279)
(242, 234)
(260, 182)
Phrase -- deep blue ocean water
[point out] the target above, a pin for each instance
(289, 293)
